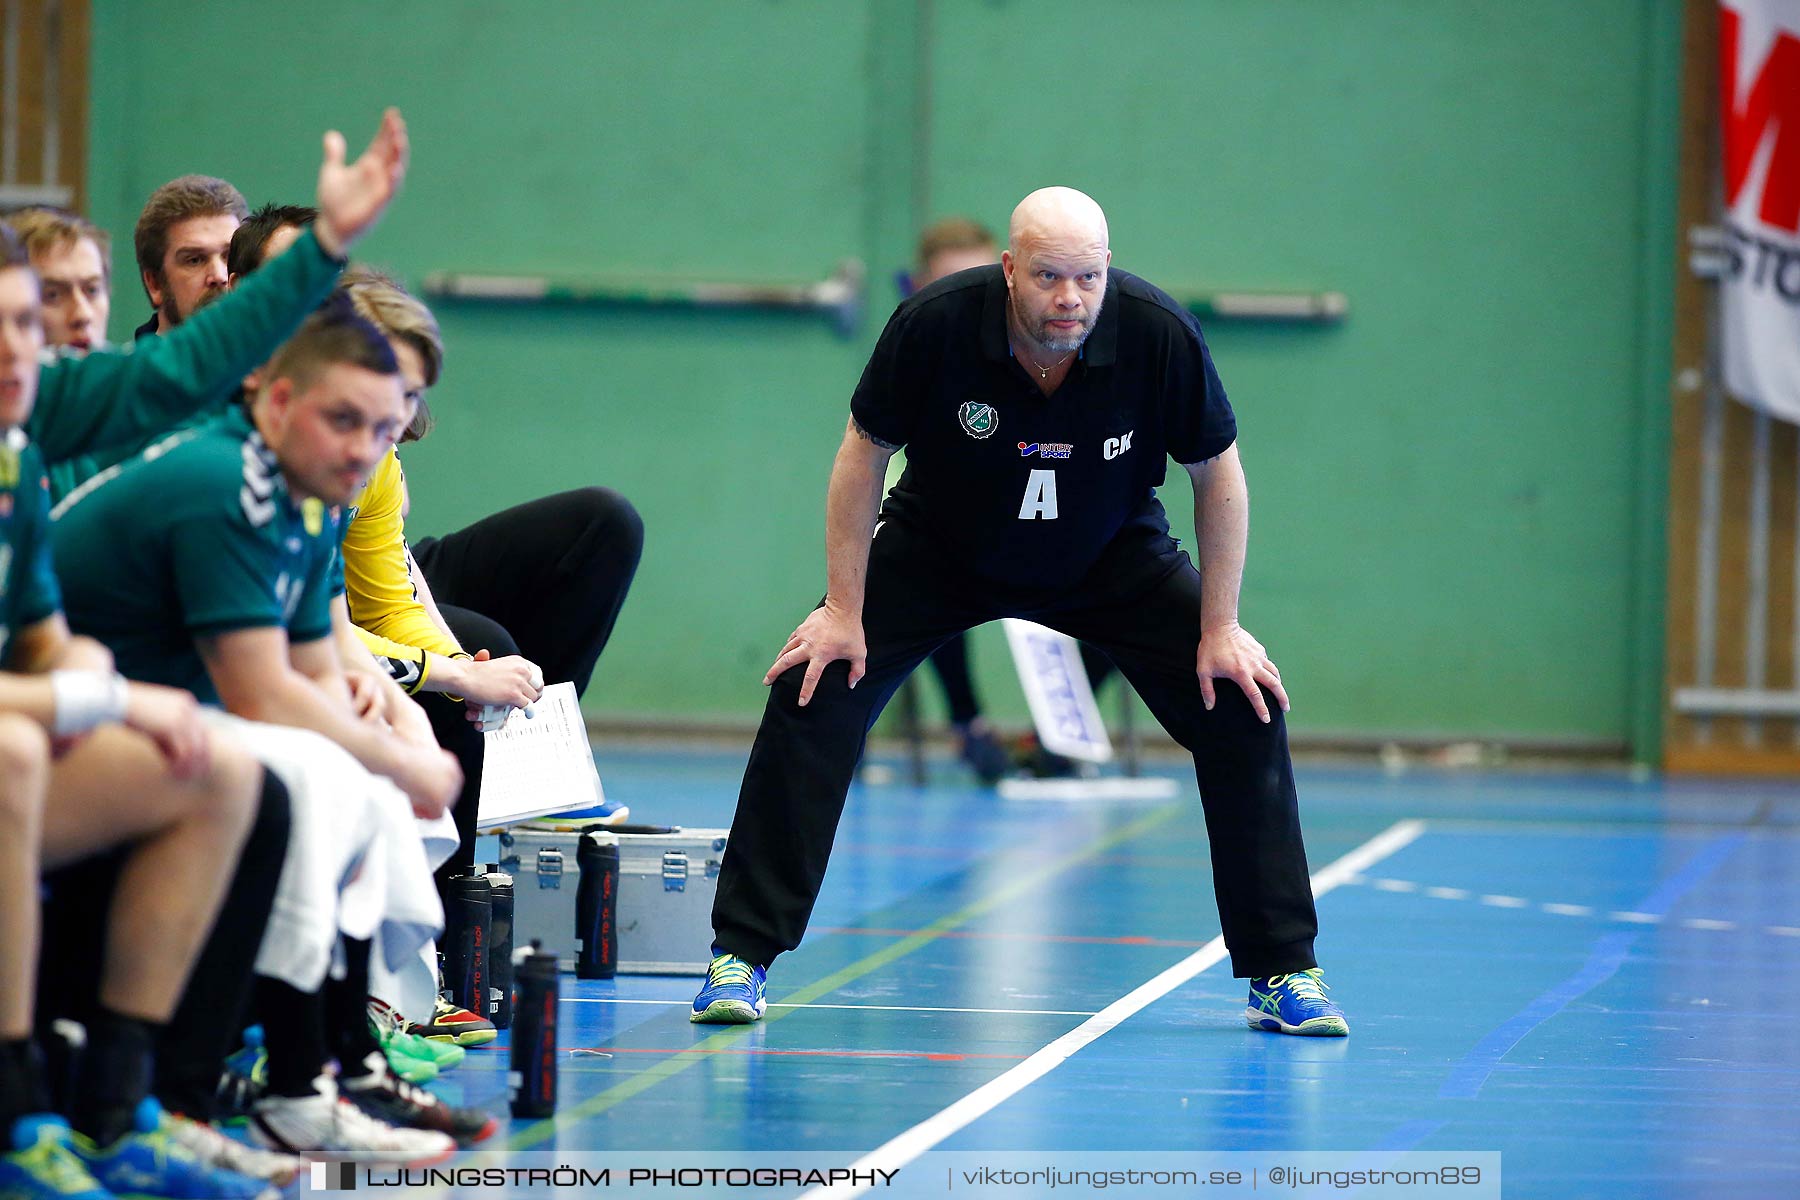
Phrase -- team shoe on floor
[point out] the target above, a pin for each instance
(150, 1161)
(397, 1102)
(733, 994)
(1295, 1003)
(217, 1150)
(245, 1077)
(452, 1024)
(40, 1166)
(324, 1126)
(411, 1057)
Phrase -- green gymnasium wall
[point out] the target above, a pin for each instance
(1456, 493)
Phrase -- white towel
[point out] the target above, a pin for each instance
(355, 861)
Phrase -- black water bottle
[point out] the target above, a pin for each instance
(500, 948)
(597, 907)
(532, 1078)
(469, 924)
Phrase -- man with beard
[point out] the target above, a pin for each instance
(182, 237)
(1036, 400)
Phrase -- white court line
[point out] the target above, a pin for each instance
(1569, 910)
(1000, 1012)
(899, 1151)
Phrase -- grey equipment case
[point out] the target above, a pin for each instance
(667, 878)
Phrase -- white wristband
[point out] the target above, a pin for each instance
(85, 699)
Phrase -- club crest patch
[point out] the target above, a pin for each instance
(977, 419)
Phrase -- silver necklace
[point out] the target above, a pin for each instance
(1044, 372)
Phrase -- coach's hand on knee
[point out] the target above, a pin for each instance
(1227, 651)
(169, 717)
(824, 637)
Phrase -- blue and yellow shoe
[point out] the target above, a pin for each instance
(40, 1165)
(244, 1080)
(149, 1163)
(733, 994)
(1295, 1003)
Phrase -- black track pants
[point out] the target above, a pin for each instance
(1140, 605)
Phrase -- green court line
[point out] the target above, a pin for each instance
(542, 1131)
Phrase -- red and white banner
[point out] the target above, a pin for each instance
(1759, 81)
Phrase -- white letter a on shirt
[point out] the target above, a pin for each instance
(1040, 497)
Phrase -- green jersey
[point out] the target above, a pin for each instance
(28, 591)
(196, 538)
(99, 409)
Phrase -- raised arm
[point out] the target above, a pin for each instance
(126, 397)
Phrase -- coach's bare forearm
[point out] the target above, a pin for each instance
(851, 506)
(1222, 531)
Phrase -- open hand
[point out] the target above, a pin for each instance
(352, 196)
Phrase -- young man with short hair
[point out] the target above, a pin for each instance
(208, 563)
(72, 258)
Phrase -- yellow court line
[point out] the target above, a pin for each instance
(702, 1051)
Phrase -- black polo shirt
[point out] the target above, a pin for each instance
(1026, 489)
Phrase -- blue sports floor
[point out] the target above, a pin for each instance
(1596, 977)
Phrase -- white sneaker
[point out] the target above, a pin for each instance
(324, 1126)
(216, 1150)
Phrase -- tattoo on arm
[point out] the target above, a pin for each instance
(866, 436)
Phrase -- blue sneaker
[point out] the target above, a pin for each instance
(150, 1163)
(40, 1165)
(245, 1079)
(1295, 1003)
(733, 994)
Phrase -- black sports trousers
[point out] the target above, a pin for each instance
(1140, 604)
(552, 572)
(545, 579)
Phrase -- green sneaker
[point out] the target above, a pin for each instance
(40, 1166)
(408, 1067)
(444, 1054)
(389, 1027)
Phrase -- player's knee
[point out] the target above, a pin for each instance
(234, 784)
(24, 771)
